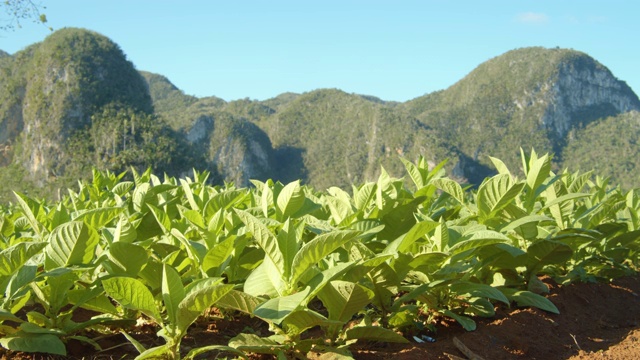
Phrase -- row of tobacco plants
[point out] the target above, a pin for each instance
(378, 263)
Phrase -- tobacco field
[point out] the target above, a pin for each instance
(381, 261)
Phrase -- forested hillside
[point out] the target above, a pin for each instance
(74, 101)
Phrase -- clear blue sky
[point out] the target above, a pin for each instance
(395, 50)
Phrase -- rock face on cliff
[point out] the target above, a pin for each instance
(582, 92)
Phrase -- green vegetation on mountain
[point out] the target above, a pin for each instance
(610, 147)
(74, 101)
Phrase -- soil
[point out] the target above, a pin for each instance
(596, 321)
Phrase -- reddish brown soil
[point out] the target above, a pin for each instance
(596, 321)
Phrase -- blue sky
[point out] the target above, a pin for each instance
(395, 50)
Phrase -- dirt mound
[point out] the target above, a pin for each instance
(595, 321)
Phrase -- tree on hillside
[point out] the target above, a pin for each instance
(18, 11)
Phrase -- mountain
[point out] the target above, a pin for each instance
(530, 97)
(75, 101)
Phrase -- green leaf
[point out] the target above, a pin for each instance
(374, 333)
(303, 319)
(130, 258)
(466, 322)
(500, 166)
(265, 239)
(30, 209)
(527, 298)
(27, 342)
(14, 257)
(260, 283)
(288, 245)
(496, 193)
(221, 348)
(469, 289)
(218, 254)
(196, 302)
(256, 344)
(417, 174)
(290, 199)
(125, 231)
(99, 217)
(343, 299)
(172, 291)
(549, 252)
(240, 301)
(478, 239)
(451, 187)
(416, 232)
(315, 250)
(132, 294)
(277, 309)
(72, 243)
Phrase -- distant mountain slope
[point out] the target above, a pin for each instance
(526, 98)
(610, 146)
(75, 101)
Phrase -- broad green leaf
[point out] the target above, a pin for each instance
(265, 239)
(221, 348)
(466, 322)
(527, 298)
(122, 188)
(42, 343)
(343, 299)
(374, 333)
(478, 239)
(404, 242)
(319, 281)
(132, 294)
(100, 303)
(196, 302)
(30, 209)
(256, 344)
(418, 175)
(365, 195)
(529, 219)
(125, 231)
(191, 197)
(218, 254)
(478, 290)
(129, 258)
(549, 252)
(194, 217)
(500, 166)
(161, 217)
(140, 195)
(259, 283)
(537, 170)
(303, 319)
(240, 301)
(99, 217)
(288, 244)
(156, 352)
(290, 199)
(14, 257)
(315, 250)
(277, 309)
(496, 193)
(72, 243)
(172, 291)
(451, 187)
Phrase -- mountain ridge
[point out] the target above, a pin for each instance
(539, 98)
